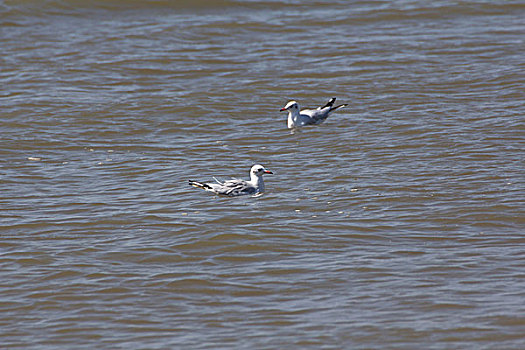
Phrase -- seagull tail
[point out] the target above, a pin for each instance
(329, 103)
(337, 107)
(199, 185)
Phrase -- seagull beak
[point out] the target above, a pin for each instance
(283, 109)
(268, 172)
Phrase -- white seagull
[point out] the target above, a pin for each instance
(309, 116)
(237, 187)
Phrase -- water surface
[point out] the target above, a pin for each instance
(398, 223)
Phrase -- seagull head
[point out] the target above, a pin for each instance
(259, 170)
(291, 106)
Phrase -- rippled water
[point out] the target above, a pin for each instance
(398, 223)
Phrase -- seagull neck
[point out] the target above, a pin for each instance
(257, 181)
(293, 116)
(293, 113)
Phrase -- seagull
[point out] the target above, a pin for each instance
(309, 116)
(237, 187)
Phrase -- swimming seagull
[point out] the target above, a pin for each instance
(237, 187)
(309, 116)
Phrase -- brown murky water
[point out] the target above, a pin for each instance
(398, 223)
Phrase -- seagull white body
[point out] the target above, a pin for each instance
(237, 187)
(298, 118)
